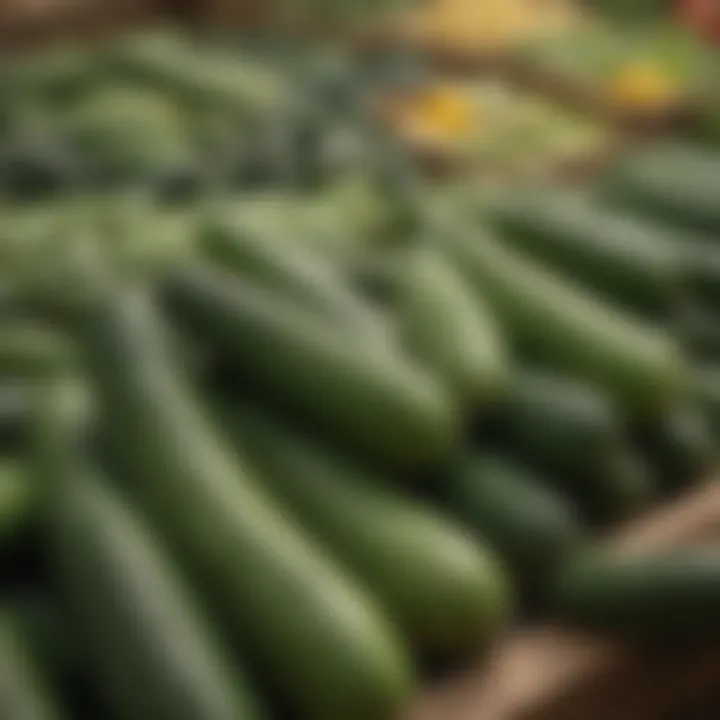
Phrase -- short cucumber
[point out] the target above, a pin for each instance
(294, 271)
(309, 628)
(626, 259)
(675, 183)
(448, 327)
(566, 325)
(445, 591)
(532, 527)
(24, 691)
(380, 402)
(664, 596)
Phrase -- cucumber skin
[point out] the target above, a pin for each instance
(449, 328)
(670, 596)
(24, 694)
(378, 402)
(312, 631)
(447, 592)
(569, 327)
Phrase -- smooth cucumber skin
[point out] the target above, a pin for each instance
(628, 260)
(449, 328)
(566, 325)
(447, 592)
(675, 183)
(293, 271)
(666, 596)
(24, 692)
(380, 402)
(532, 527)
(312, 631)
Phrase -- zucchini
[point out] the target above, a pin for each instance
(309, 628)
(447, 326)
(675, 183)
(567, 326)
(531, 527)
(293, 271)
(626, 259)
(377, 401)
(25, 693)
(445, 591)
(150, 650)
(665, 596)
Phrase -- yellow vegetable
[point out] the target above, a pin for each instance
(643, 85)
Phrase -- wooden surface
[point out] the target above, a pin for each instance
(551, 673)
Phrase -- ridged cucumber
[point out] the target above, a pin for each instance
(377, 401)
(447, 326)
(309, 628)
(625, 259)
(666, 596)
(566, 325)
(532, 527)
(444, 590)
(24, 691)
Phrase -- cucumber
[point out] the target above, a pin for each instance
(700, 258)
(379, 402)
(706, 392)
(698, 328)
(675, 183)
(24, 691)
(18, 502)
(294, 272)
(16, 416)
(681, 444)
(447, 326)
(568, 327)
(532, 527)
(665, 596)
(446, 592)
(309, 628)
(143, 634)
(626, 259)
(32, 351)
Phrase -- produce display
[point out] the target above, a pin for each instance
(288, 428)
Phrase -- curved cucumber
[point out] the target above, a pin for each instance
(664, 596)
(309, 628)
(445, 591)
(377, 401)
(569, 327)
(531, 527)
(624, 258)
(448, 327)
(294, 272)
(24, 692)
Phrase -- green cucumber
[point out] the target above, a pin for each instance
(445, 591)
(706, 392)
(624, 258)
(700, 258)
(697, 326)
(675, 183)
(532, 527)
(18, 502)
(309, 628)
(567, 326)
(664, 596)
(24, 691)
(143, 634)
(293, 271)
(32, 351)
(16, 415)
(379, 402)
(447, 326)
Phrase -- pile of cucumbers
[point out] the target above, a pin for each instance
(245, 475)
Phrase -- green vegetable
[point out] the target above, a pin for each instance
(18, 501)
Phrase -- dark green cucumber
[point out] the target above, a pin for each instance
(312, 631)
(675, 183)
(143, 634)
(447, 326)
(18, 502)
(626, 259)
(293, 271)
(24, 691)
(567, 326)
(447, 592)
(532, 527)
(32, 351)
(665, 596)
(375, 400)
